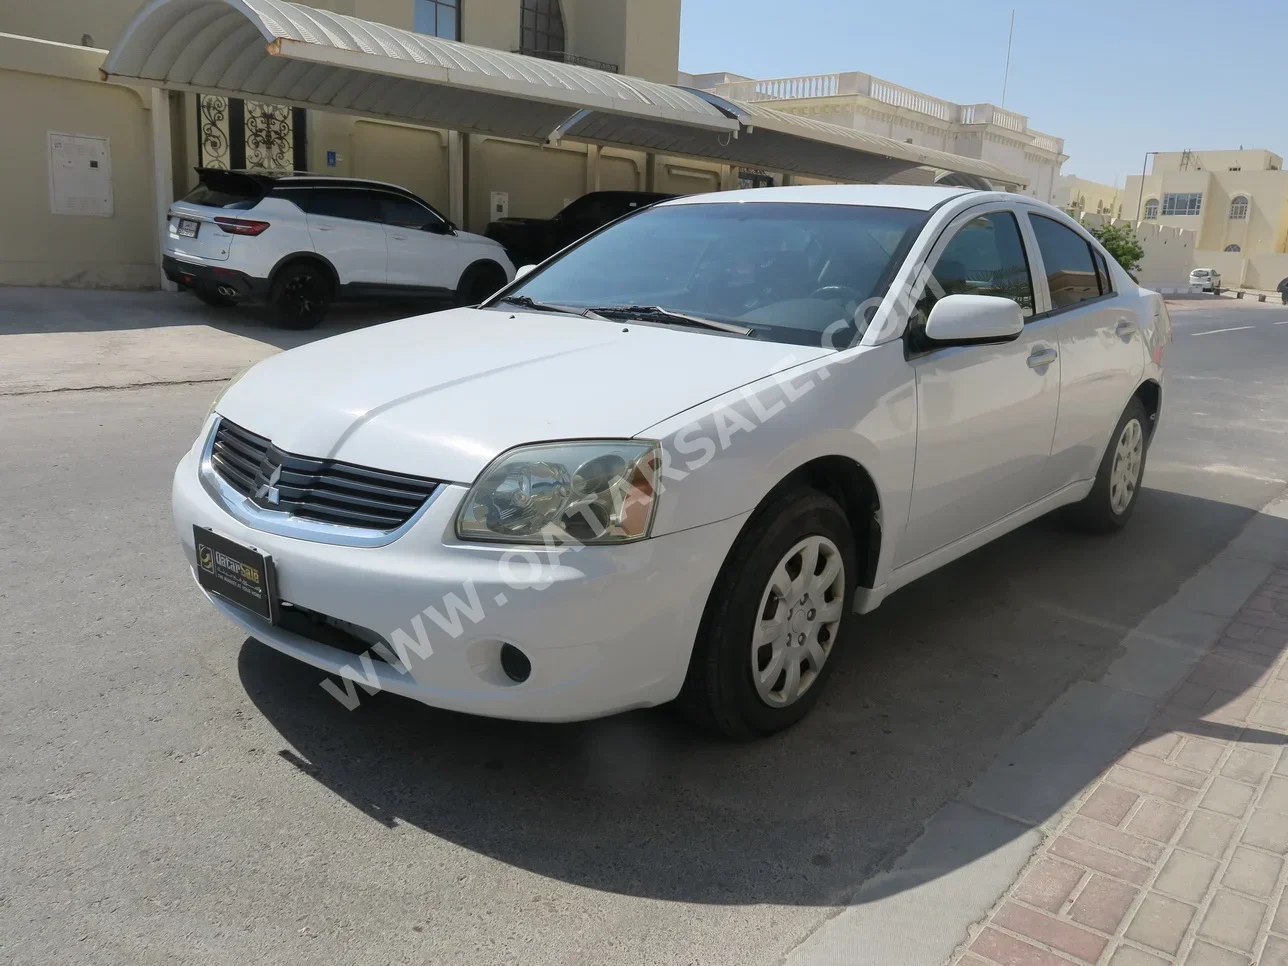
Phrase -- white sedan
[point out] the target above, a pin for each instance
(682, 458)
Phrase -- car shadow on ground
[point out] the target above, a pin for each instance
(46, 310)
(927, 691)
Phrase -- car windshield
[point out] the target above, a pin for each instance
(790, 272)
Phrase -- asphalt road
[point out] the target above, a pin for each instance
(175, 793)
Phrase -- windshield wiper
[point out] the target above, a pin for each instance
(656, 312)
(528, 302)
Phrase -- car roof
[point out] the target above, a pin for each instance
(302, 178)
(332, 181)
(921, 197)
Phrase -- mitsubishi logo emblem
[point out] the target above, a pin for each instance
(268, 491)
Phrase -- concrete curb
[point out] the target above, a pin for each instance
(915, 915)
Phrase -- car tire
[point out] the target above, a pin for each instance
(214, 299)
(478, 283)
(732, 650)
(300, 296)
(1116, 490)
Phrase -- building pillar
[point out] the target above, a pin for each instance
(592, 168)
(650, 172)
(728, 177)
(456, 145)
(162, 175)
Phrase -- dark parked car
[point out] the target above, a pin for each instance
(533, 240)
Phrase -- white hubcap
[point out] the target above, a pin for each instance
(1125, 475)
(800, 612)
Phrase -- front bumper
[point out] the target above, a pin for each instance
(213, 278)
(606, 629)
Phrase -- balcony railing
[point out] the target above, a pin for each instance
(991, 114)
(563, 57)
(1047, 143)
(810, 85)
(907, 98)
(854, 82)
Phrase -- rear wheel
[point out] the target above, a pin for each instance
(301, 295)
(774, 619)
(1113, 496)
(213, 299)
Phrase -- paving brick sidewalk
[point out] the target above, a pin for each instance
(1176, 854)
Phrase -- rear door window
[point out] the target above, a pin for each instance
(1070, 270)
(1102, 269)
(355, 204)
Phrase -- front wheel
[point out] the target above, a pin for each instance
(479, 283)
(300, 297)
(774, 619)
(1114, 494)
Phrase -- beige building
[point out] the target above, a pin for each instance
(92, 164)
(861, 101)
(1235, 202)
(51, 52)
(1078, 196)
(635, 37)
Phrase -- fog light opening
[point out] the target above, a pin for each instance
(515, 663)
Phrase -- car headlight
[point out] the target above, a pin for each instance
(598, 491)
(223, 392)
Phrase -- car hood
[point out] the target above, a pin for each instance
(441, 395)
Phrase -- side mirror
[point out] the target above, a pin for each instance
(440, 228)
(524, 270)
(974, 318)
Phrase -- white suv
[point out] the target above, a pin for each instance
(1208, 279)
(300, 242)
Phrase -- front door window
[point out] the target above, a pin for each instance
(985, 257)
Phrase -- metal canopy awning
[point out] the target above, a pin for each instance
(273, 50)
(277, 51)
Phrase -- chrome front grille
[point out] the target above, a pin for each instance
(315, 489)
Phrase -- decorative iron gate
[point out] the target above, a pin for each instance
(754, 178)
(236, 134)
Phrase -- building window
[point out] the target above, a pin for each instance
(1151, 209)
(439, 18)
(543, 27)
(1186, 203)
(1233, 248)
(1239, 207)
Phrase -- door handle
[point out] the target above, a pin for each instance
(324, 228)
(1042, 357)
(400, 237)
(1124, 328)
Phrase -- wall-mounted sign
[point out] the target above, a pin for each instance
(500, 204)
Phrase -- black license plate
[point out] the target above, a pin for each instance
(240, 575)
(189, 228)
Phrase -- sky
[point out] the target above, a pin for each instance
(1113, 79)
